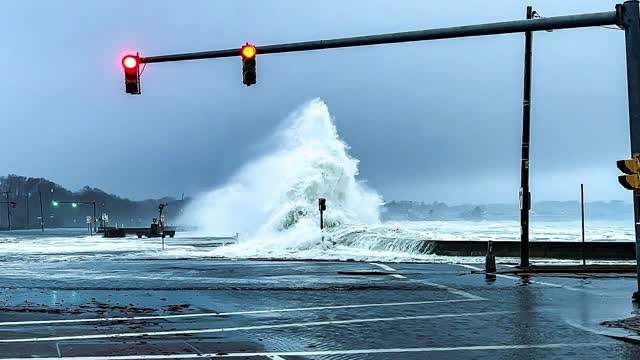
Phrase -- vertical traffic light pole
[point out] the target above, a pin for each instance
(629, 19)
(525, 195)
(322, 206)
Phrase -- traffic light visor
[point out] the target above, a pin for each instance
(630, 182)
(629, 166)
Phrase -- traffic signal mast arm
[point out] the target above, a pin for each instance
(131, 63)
(506, 27)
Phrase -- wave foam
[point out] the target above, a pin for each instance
(273, 201)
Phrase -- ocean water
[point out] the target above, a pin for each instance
(272, 202)
(392, 242)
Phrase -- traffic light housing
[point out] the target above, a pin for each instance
(631, 167)
(248, 53)
(131, 65)
(13, 204)
(322, 204)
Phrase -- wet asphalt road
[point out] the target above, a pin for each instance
(291, 310)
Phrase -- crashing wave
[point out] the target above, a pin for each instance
(273, 200)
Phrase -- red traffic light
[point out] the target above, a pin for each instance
(130, 62)
(248, 51)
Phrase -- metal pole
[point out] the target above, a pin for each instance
(629, 19)
(8, 210)
(94, 219)
(525, 195)
(584, 259)
(41, 211)
(322, 206)
(28, 215)
(507, 27)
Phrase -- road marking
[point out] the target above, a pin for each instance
(570, 288)
(453, 291)
(447, 288)
(389, 268)
(384, 266)
(186, 343)
(242, 328)
(275, 357)
(160, 317)
(620, 334)
(327, 352)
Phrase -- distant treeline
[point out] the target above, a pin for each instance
(26, 191)
(544, 210)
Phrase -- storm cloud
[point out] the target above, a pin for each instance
(428, 121)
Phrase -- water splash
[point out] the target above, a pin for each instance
(272, 201)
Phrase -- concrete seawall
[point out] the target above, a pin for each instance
(596, 250)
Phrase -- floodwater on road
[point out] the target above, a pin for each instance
(93, 302)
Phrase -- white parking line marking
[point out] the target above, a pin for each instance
(570, 288)
(328, 352)
(243, 328)
(453, 291)
(449, 289)
(389, 268)
(275, 357)
(384, 266)
(136, 318)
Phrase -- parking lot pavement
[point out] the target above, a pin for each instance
(167, 309)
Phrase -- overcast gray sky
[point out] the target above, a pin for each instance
(429, 121)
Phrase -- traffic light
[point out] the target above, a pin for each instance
(55, 203)
(631, 167)
(74, 205)
(322, 204)
(131, 65)
(248, 53)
